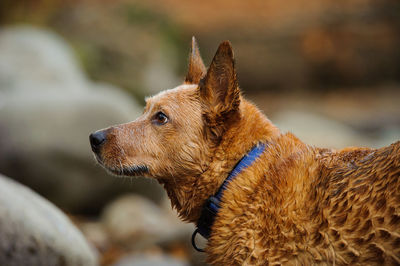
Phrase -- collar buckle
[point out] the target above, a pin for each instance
(207, 217)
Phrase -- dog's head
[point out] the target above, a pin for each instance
(179, 128)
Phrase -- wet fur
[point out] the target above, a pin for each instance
(296, 205)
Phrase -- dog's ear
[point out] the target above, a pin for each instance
(197, 70)
(219, 90)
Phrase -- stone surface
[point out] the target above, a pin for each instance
(48, 108)
(148, 260)
(325, 132)
(138, 222)
(322, 131)
(34, 232)
(44, 61)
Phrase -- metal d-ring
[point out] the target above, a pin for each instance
(194, 241)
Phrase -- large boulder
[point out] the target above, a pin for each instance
(34, 232)
(136, 222)
(150, 260)
(323, 131)
(318, 130)
(48, 108)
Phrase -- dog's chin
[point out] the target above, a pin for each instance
(136, 170)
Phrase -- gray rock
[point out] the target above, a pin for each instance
(48, 108)
(137, 222)
(34, 232)
(159, 73)
(148, 260)
(33, 59)
(322, 131)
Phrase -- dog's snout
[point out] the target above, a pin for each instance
(97, 139)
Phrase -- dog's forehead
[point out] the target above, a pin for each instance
(166, 96)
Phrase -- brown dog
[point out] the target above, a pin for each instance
(290, 204)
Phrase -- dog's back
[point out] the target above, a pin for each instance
(359, 196)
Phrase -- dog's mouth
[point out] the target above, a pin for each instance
(136, 170)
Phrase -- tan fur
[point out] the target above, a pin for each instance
(295, 205)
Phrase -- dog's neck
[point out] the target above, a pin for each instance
(189, 193)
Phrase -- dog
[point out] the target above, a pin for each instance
(260, 196)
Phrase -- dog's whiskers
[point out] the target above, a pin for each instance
(122, 168)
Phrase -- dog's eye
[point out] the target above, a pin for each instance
(160, 118)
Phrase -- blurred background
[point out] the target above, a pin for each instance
(326, 70)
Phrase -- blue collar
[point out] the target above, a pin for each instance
(212, 205)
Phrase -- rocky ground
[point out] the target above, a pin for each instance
(134, 231)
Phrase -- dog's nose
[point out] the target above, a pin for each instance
(97, 139)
